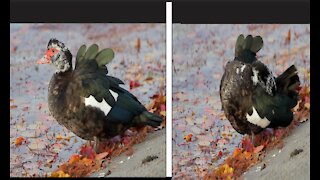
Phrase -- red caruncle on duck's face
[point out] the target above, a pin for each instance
(48, 55)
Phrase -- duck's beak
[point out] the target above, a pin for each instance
(44, 60)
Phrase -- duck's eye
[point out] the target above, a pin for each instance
(52, 50)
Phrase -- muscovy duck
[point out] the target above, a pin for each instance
(252, 98)
(86, 100)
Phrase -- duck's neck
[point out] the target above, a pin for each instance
(57, 91)
(63, 66)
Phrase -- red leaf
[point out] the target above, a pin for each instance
(87, 151)
(220, 154)
(134, 84)
(247, 144)
(162, 107)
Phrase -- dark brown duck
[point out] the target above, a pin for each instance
(86, 100)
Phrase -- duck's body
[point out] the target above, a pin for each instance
(252, 98)
(86, 100)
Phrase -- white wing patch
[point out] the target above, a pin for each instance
(114, 94)
(103, 105)
(257, 120)
(242, 68)
(255, 78)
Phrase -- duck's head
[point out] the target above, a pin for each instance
(58, 55)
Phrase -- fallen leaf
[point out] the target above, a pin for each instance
(87, 151)
(149, 79)
(188, 137)
(74, 158)
(236, 152)
(247, 144)
(288, 38)
(138, 44)
(67, 138)
(163, 113)
(19, 141)
(102, 155)
(59, 137)
(59, 174)
(134, 84)
(13, 107)
(258, 149)
(219, 154)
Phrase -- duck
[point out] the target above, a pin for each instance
(252, 98)
(86, 100)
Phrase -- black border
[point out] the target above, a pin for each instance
(241, 12)
(94, 11)
(219, 12)
(314, 97)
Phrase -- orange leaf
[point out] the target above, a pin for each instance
(236, 152)
(87, 152)
(163, 113)
(13, 107)
(74, 158)
(59, 137)
(247, 154)
(138, 45)
(258, 149)
(19, 141)
(188, 137)
(288, 38)
(59, 174)
(87, 161)
(102, 155)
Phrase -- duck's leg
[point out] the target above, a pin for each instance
(96, 144)
(252, 138)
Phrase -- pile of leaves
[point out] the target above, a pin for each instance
(158, 106)
(248, 155)
(87, 161)
(80, 165)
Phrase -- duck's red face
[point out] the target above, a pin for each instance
(46, 59)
